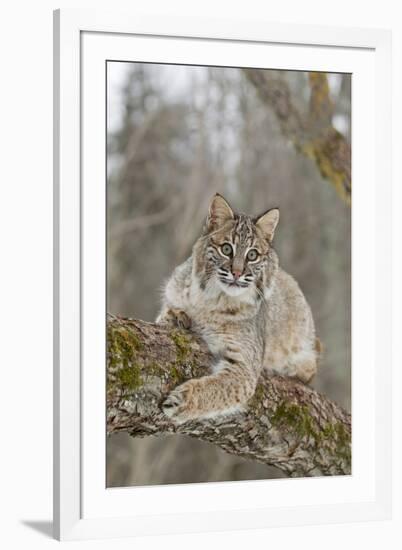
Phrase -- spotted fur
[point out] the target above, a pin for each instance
(251, 313)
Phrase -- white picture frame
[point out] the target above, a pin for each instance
(83, 506)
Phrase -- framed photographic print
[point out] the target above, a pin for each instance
(222, 305)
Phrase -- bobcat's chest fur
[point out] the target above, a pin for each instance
(221, 319)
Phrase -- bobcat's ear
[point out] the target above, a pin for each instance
(267, 222)
(219, 212)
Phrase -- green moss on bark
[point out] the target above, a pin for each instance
(297, 419)
(123, 345)
(183, 345)
(129, 378)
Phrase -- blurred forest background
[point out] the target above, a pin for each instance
(176, 135)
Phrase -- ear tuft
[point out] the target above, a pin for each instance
(219, 212)
(267, 222)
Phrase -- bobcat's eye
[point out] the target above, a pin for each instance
(227, 249)
(252, 255)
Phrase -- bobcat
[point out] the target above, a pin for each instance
(250, 312)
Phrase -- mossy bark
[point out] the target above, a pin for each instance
(286, 424)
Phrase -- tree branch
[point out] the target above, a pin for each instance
(312, 134)
(286, 424)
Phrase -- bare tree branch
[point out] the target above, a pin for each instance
(312, 134)
(147, 220)
(286, 424)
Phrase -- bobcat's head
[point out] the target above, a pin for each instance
(235, 251)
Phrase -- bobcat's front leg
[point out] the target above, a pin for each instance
(221, 393)
(175, 318)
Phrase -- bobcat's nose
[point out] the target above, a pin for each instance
(236, 274)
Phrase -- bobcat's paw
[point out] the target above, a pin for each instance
(176, 318)
(179, 405)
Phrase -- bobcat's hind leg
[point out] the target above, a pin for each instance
(306, 370)
(302, 365)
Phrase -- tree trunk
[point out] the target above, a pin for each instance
(286, 424)
(312, 133)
